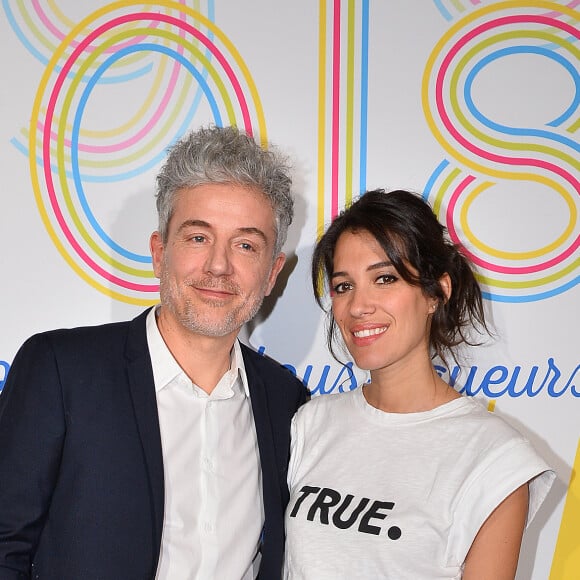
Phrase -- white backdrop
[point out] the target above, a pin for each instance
(474, 103)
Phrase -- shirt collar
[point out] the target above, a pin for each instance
(165, 367)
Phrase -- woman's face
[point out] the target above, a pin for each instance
(383, 319)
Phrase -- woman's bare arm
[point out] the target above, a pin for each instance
(496, 548)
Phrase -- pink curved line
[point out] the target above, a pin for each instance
(488, 265)
(555, 13)
(50, 184)
(50, 115)
(61, 35)
(64, 227)
(335, 108)
(222, 60)
(457, 135)
(154, 118)
(161, 106)
(142, 132)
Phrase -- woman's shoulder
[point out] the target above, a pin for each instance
(324, 405)
(478, 416)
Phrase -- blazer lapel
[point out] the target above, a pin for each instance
(142, 389)
(262, 421)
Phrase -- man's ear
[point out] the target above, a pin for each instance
(156, 247)
(276, 269)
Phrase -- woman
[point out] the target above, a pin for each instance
(404, 478)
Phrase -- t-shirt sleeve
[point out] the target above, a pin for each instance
(497, 475)
(295, 451)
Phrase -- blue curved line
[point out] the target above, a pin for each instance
(364, 97)
(76, 130)
(543, 52)
(444, 12)
(532, 297)
(87, 178)
(110, 178)
(519, 131)
(434, 176)
(20, 147)
(25, 151)
(44, 61)
(21, 36)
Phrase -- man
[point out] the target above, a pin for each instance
(158, 448)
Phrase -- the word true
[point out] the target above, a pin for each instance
(343, 511)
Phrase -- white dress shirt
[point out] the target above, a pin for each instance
(214, 510)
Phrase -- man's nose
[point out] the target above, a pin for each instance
(218, 260)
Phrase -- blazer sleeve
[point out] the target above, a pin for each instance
(32, 430)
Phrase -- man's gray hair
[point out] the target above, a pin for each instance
(226, 155)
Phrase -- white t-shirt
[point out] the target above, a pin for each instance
(398, 496)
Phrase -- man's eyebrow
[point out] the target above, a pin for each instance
(254, 231)
(193, 223)
(244, 230)
(377, 266)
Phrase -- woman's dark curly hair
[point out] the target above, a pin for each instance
(410, 234)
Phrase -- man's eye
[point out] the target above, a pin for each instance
(246, 246)
(199, 239)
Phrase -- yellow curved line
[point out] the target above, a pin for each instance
(143, 109)
(472, 195)
(443, 190)
(237, 58)
(62, 17)
(51, 46)
(177, 109)
(470, 128)
(573, 128)
(513, 284)
(35, 119)
(135, 119)
(61, 156)
(171, 5)
(25, 14)
(458, 6)
(428, 73)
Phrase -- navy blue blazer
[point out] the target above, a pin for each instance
(81, 467)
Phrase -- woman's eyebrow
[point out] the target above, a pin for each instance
(377, 266)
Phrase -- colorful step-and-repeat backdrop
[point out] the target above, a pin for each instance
(474, 103)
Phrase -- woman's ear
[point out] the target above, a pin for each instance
(445, 284)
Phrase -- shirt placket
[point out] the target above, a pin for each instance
(210, 487)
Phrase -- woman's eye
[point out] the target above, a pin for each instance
(386, 279)
(341, 287)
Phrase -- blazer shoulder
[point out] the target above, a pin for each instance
(99, 339)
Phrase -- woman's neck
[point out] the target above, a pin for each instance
(403, 391)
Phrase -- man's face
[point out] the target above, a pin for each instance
(217, 263)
